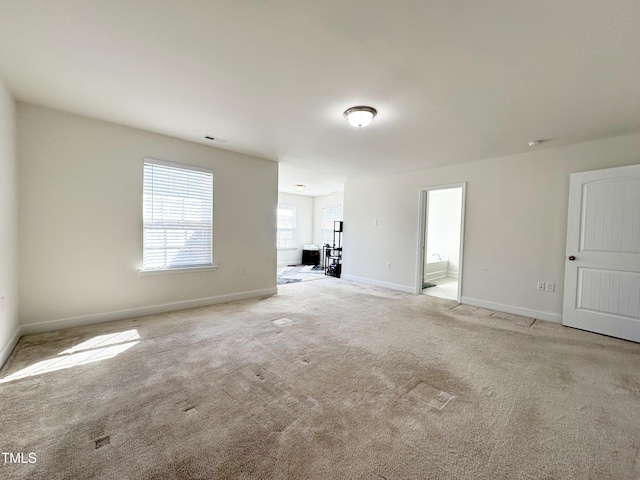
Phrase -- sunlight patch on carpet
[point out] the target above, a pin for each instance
(102, 347)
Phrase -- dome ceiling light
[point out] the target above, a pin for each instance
(360, 117)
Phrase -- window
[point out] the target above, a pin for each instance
(329, 215)
(177, 216)
(286, 227)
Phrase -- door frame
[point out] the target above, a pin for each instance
(423, 211)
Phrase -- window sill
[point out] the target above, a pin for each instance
(177, 270)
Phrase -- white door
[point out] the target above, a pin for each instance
(602, 270)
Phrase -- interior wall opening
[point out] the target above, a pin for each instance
(442, 240)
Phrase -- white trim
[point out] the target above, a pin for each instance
(52, 325)
(379, 283)
(160, 271)
(9, 346)
(525, 312)
(463, 208)
(422, 225)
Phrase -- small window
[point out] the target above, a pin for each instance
(329, 215)
(177, 216)
(286, 226)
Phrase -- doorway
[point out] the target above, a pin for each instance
(441, 234)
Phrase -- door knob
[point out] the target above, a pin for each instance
(572, 258)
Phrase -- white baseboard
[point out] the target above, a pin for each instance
(51, 325)
(9, 346)
(525, 312)
(379, 283)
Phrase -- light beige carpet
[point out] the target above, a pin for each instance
(327, 380)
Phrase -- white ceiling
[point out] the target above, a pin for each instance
(452, 80)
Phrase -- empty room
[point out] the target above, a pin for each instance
(173, 173)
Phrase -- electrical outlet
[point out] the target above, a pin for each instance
(2, 304)
(551, 287)
(541, 286)
(243, 271)
(388, 265)
(375, 222)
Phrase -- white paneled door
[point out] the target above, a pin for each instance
(602, 271)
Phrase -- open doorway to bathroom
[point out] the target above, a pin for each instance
(441, 239)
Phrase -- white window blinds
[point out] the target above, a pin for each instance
(286, 234)
(329, 215)
(178, 217)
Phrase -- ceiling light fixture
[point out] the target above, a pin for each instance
(299, 187)
(535, 143)
(360, 117)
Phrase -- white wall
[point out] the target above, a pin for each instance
(8, 225)
(334, 200)
(515, 228)
(443, 229)
(80, 220)
(304, 227)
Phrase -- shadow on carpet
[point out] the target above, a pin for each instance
(300, 273)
